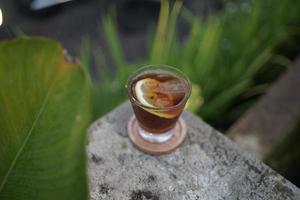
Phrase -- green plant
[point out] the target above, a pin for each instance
(222, 55)
(44, 113)
(284, 156)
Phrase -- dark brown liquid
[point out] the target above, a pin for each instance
(172, 91)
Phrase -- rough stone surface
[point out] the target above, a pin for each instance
(207, 166)
(271, 117)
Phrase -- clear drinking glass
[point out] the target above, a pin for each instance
(158, 94)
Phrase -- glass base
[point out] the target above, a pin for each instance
(156, 138)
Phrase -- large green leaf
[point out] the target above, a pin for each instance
(44, 112)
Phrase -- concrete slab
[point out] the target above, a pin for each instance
(207, 166)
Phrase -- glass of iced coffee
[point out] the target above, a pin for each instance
(158, 94)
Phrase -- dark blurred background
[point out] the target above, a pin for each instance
(74, 20)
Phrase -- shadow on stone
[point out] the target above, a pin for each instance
(143, 194)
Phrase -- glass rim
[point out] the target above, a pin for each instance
(162, 67)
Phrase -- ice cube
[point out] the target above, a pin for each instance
(174, 88)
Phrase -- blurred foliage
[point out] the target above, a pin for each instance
(227, 56)
(284, 157)
(44, 113)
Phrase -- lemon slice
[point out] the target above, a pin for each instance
(145, 91)
(140, 90)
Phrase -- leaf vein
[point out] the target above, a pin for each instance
(25, 141)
